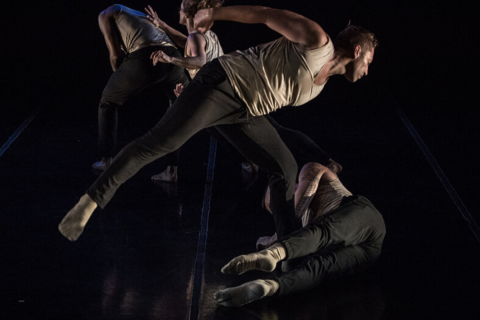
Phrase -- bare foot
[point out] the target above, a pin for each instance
(103, 164)
(74, 222)
(265, 260)
(246, 293)
(169, 175)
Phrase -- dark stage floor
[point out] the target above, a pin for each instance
(407, 137)
(136, 259)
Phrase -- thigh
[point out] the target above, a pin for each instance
(259, 142)
(201, 105)
(135, 74)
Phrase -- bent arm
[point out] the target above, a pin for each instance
(291, 25)
(197, 56)
(106, 21)
(308, 181)
(176, 36)
(179, 38)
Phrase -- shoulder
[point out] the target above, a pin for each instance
(315, 170)
(323, 43)
(196, 38)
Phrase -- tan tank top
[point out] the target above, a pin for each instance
(137, 32)
(213, 49)
(327, 198)
(276, 74)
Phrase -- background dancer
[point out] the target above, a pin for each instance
(131, 38)
(342, 235)
(235, 90)
(199, 49)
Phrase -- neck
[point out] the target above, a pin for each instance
(336, 64)
(189, 25)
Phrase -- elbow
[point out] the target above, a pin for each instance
(313, 168)
(109, 12)
(199, 62)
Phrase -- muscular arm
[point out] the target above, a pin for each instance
(308, 181)
(291, 25)
(106, 21)
(197, 56)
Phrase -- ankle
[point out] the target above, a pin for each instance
(277, 251)
(171, 170)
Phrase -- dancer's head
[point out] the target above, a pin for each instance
(359, 44)
(189, 8)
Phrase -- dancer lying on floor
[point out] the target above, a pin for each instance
(234, 91)
(342, 235)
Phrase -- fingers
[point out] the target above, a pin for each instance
(157, 56)
(178, 89)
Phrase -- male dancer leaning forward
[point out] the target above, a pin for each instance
(342, 235)
(234, 91)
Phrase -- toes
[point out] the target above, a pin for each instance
(220, 296)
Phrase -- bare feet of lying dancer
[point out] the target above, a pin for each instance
(246, 293)
(169, 175)
(74, 222)
(103, 164)
(265, 260)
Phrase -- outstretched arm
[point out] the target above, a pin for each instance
(197, 55)
(179, 38)
(106, 21)
(291, 25)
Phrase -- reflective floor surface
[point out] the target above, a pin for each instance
(156, 250)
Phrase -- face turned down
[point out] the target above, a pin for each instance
(358, 68)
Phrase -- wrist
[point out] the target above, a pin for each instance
(215, 13)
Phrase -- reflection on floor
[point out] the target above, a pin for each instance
(136, 258)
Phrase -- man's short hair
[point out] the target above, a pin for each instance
(191, 7)
(352, 36)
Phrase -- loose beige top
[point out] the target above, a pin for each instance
(276, 74)
(327, 198)
(137, 32)
(213, 49)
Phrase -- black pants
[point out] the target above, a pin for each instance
(208, 101)
(346, 241)
(303, 148)
(135, 74)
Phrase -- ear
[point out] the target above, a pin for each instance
(357, 51)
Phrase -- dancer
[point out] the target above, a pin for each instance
(199, 49)
(342, 235)
(234, 91)
(131, 39)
